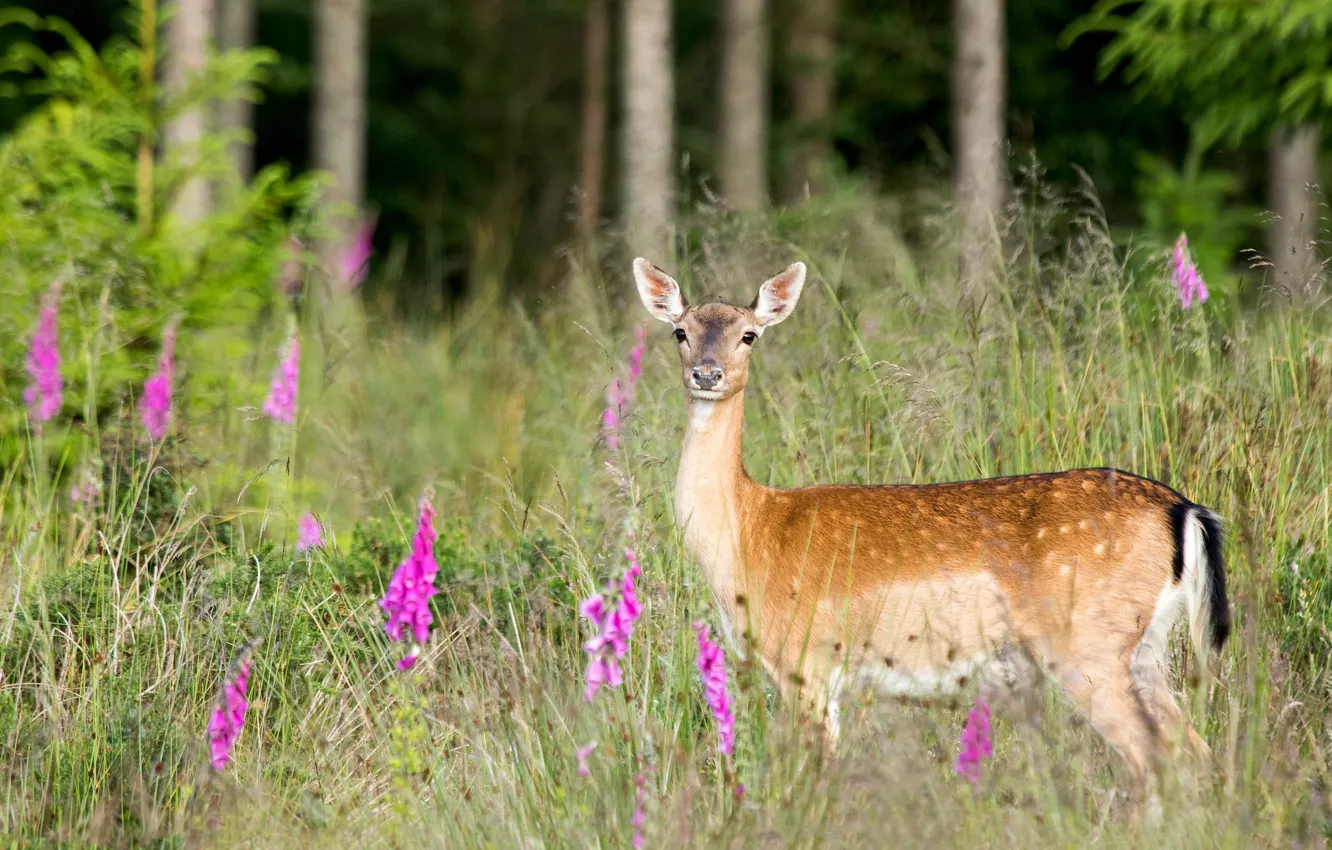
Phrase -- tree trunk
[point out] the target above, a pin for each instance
(187, 49)
(649, 128)
(339, 125)
(978, 127)
(743, 164)
(1293, 194)
(143, 173)
(811, 50)
(235, 31)
(592, 145)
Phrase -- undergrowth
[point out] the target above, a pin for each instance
(119, 616)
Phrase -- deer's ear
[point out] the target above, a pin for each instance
(660, 293)
(777, 296)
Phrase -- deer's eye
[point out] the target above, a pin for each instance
(748, 338)
(680, 334)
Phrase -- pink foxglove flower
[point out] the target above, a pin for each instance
(1185, 275)
(610, 417)
(281, 401)
(310, 534)
(637, 821)
(613, 615)
(43, 394)
(712, 667)
(636, 357)
(582, 753)
(88, 490)
(355, 259)
(157, 389)
(87, 493)
(619, 395)
(228, 718)
(976, 742)
(407, 599)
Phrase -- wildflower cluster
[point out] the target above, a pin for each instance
(620, 395)
(44, 393)
(976, 742)
(407, 599)
(637, 821)
(712, 667)
(228, 718)
(355, 259)
(88, 493)
(157, 390)
(281, 401)
(613, 615)
(1185, 275)
(45, 390)
(87, 487)
(310, 534)
(582, 754)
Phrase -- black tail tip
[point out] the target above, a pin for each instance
(1218, 604)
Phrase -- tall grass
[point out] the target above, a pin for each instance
(118, 619)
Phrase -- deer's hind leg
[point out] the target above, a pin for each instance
(1107, 695)
(810, 696)
(1153, 688)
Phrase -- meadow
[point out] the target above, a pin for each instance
(122, 613)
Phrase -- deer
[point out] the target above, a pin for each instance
(915, 591)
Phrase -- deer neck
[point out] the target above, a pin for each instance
(711, 493)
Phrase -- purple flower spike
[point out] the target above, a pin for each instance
(637, 821)
(1185, 275)
(620, 394)
(88, 493)
(712, 667)
(636, 357)
(976, 742)
(43, 394)
(407, 599)
(310, 534)
(613, 615)
(582, 754)
(355, 259)
(157, 389)
(228, 718)
(610, 417)
(281, 401)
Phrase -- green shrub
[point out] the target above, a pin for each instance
(73, 208)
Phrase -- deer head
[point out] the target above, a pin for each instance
(715, 339)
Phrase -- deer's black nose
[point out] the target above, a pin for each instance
(707, 374)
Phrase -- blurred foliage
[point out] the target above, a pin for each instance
(1239, 68)
(473, 133)
(68, 209)
(474, 115)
